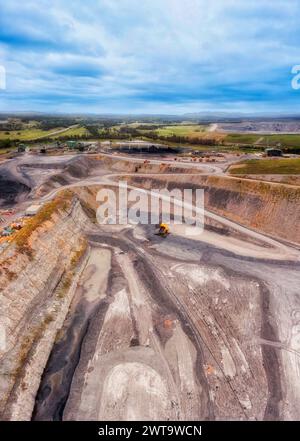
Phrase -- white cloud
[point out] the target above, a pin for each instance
(151, 54)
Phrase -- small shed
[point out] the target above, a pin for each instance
(72, 144)
(21, 148)
(273, 152)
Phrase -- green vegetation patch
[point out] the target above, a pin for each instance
(75, 131)
(34, 133)
(288, 166)
(182, 130)
(239, 138)
(25, 135)
(287, 141)
(284, 140)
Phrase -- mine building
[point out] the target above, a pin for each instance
(273, 152)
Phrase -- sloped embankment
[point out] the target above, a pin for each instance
(38, 275)
(12, 192)
(271, 208)
(141, 166)
(79, 167)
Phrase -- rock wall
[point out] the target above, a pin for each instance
(116, 164)
(272, 208)
(35, 292)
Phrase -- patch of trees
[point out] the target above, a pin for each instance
(125, 130)
(61, 139)
(12, 124)
(53, 123)
(182, 139)
(93, 130)
(295, 150)
(6, 143)
(148, 127)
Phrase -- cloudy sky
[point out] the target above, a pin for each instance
(149, 56)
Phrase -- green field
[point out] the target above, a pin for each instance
(289, 141)
(240, 138)
(285, 140)
(32, 134)
(76, 131)
(195, 133)
(25, 135)
(287, 166)
(182, 130)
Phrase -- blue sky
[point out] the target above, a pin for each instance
(150, 56)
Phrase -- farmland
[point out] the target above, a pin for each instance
(239, 138)
(25, 135)
(267, 166)
(196, 135)
(76, 131)
(285, 140)
(182, 130)
(35, 133)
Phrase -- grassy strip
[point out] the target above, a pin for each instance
(35, 134)
(242, 138)
(26, 134)
(274, 191)
(76, 131)
(289, 166)
(182, 130)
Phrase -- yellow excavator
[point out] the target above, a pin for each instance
(164, 230)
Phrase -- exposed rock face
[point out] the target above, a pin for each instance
(272, 208)
(36, 290)
(114, 322)
(174, 330)
(12, 191)
(81, 167)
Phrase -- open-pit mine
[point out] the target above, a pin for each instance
(113, 322)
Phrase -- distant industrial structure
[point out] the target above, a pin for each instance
(273, 151)
(22, 148)
(72, 144)
(144, 147)
(82, 146)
